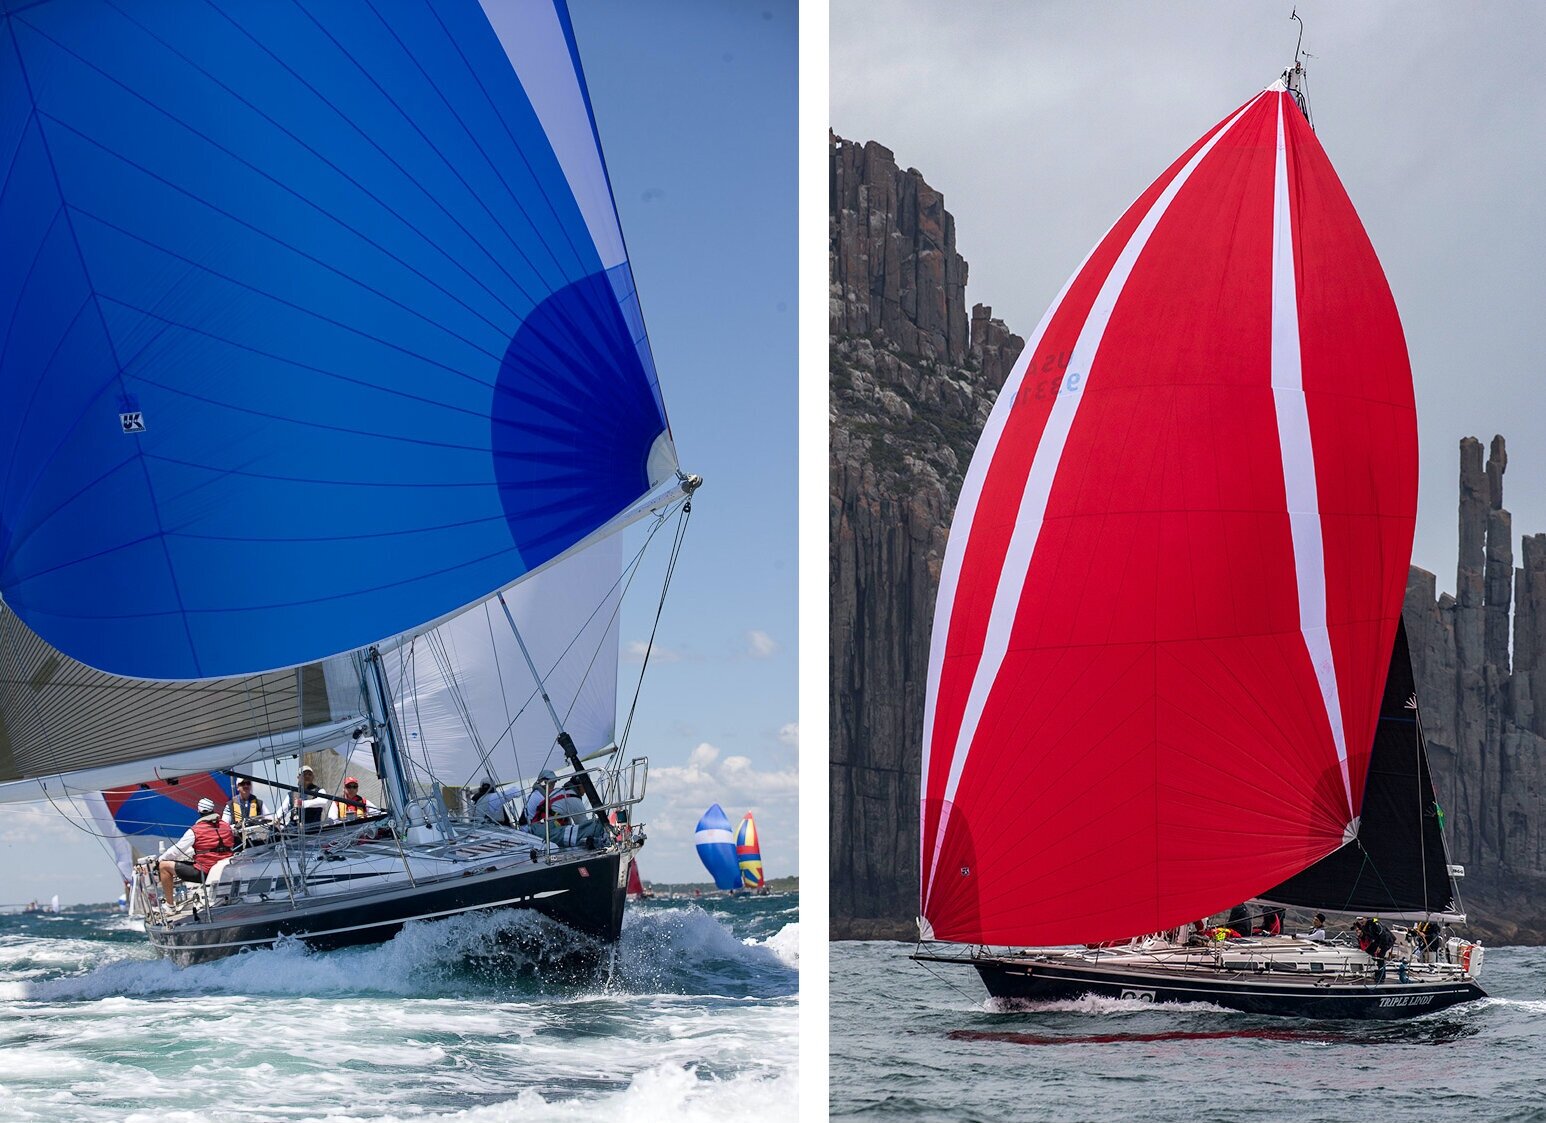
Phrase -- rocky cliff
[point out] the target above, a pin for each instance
(1486, 730)
(912, 380)
(913, 377)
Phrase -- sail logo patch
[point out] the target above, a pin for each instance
(132, 421)
(1139, 995)
(1407, 1000)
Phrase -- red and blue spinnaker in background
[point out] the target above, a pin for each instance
(165, 808)
(748, 854)
(716, 848)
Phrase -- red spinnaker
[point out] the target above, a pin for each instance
(1177, 563)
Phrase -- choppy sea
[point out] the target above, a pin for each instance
(924, 1042)
(696, 1022)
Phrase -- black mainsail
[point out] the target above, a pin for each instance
(1398, 866)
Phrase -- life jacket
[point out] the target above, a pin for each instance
(251, 809)
(213, 839)
(545, 808)
(349, 810)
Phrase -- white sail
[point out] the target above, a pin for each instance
(107, 830)
(466, 697)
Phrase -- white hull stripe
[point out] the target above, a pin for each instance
(317, 933)
(1038, 487)
(1304, 514)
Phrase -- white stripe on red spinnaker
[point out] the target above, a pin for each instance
(1038, 488)
(955, 544)
(1304, 514)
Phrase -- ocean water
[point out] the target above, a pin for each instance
(924, 1042)
(697, 1020)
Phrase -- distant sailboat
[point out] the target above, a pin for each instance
(325, 356)
(1170, 606)
(716, 848)
(635, 883)
(748, 854)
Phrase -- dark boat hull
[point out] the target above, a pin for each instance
(1268, 993)
(587, 896)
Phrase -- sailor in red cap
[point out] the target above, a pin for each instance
(353, 805)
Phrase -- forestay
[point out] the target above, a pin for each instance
(1173, 580)
(321, 324)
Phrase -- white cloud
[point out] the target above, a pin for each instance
(634, 652)
(679, 794)
(789, 734)
(760, 645)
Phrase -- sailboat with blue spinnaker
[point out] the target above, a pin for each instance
(327, 399)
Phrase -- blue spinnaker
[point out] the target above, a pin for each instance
(317, 323)
(716, 848)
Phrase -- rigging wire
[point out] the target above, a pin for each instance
(676, 550)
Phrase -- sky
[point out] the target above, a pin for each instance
(1041, 122)
(695, 104)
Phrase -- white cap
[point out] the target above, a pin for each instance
(206, 805)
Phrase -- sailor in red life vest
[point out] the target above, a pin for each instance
(559, 813)
(542, 804)
(193, 855)
(360, 808)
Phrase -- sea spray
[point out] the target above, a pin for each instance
(697, 1020)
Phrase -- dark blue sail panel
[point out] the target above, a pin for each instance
(320, 324)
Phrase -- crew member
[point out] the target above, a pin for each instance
(488, 803)
(310, 803)
(193, 855)
(1376, 940)
(1318, 932)
(244, 808)
(1239, 921)
(559, 812)
(353, 805)
(539, 805)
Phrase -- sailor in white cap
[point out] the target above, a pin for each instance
(193, 855)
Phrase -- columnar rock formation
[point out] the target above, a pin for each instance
(913, 379)
(1486, 730)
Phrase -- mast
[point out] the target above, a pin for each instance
(388, 754)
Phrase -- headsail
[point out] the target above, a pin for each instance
(716, 848)
(1176, 567)
(1399, 863)
(117, 843)
(467, 696)
(322, 324)
(748, 854)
